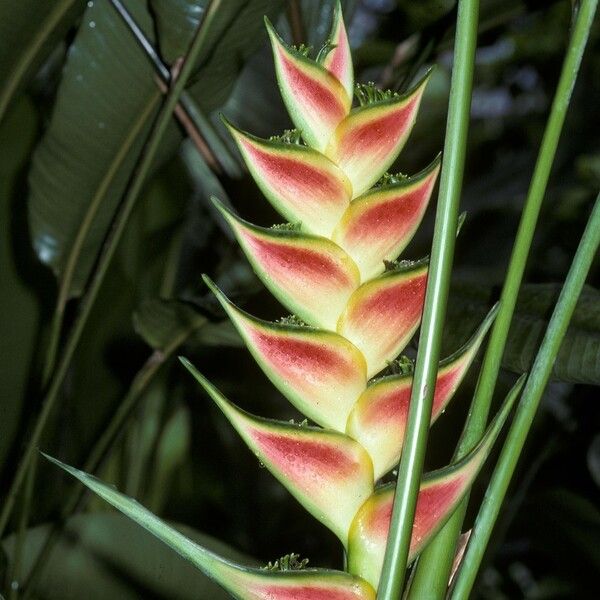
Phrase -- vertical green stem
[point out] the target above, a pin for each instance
(532, 394)
(160, 125)
(413, 452)
(435, 563)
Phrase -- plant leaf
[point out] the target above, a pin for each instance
(439, 494)
(105, 554)
(370, 138)
(160, 322)
(321, 373)
(378, 420)
(20, 305)
(242, 582)
(29, 30)
(315, 99)
(105, 103)
(302, 185)
(384, 313)
(329, 473)
(378, 225)
(578, 360)
(310, 275)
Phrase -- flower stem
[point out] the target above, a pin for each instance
(122, 217)
(433, 570)
(532, 394)
(413, 452)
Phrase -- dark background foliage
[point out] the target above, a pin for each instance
(77, 96)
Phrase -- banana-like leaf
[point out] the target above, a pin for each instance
(320, 372)
(439, 494)
(384, 313)
(303, 185)
(338, 60)
(310, 275)
(104, 106)
(378, 225)
(369, 139)
(315, 99)
(378, 420)
(241, 582)
(29, 30)
(105, 101)
(329, 473)
(578, 360)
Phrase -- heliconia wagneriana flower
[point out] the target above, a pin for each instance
(354, 307)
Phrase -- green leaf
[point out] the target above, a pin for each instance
(161, 322)
(19, 306)
(105, 103)
(176, 21)
(29, 30)
(172, 449)
(578, 360)
(237, 31)
(106, 555)
(242, 582)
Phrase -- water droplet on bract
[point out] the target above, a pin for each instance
(92, 24)
(90, 4)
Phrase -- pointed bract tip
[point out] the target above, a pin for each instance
(185, 362)
(214, 288)
(275, 37)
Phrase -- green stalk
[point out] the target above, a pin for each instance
(438, 284)
(435, 563)
(532, 394)
(160, 125)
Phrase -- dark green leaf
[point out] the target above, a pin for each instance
(29, 29)
(162, 322)
(106, 99)
(578, 360)
(19, 307)
(176, 21)
(107, 555)
(105, 103)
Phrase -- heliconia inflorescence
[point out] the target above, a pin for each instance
(355, 308)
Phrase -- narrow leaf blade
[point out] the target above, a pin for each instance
(242, 582)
